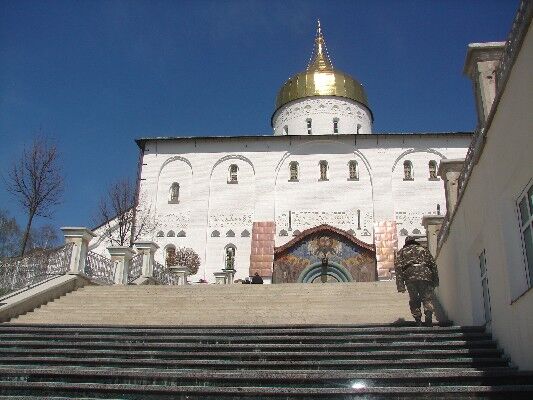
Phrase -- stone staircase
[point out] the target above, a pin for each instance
(334, 341)
(311, 362)
(339, 303)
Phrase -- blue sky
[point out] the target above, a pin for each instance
(95, 75)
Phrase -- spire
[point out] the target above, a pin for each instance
(319, 60)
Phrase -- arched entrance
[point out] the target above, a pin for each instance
(324, 252)
(332, 273)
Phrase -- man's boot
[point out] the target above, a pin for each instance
(418, 321)
(429, 319)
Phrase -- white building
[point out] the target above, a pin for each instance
(322, 174)
(485, 246)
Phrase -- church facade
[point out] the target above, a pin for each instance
(323, 176)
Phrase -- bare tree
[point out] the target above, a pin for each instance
(184, 257)
(36, 181)
(9, 235)
(117, 214)
(43, 238)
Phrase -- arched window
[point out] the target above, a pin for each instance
(335, 125)
(351, 232)
(174, 194)
(160, 234)
(283, 232)
(296, 232)
(433, 170)
(404, 232)
(171, 234)
(407, 170)
(181, 234)
(353, 171)
(233, 169)
(170, 255)
(416, 231)
(229, 256)
(293, 171)
(245, 233)
(438, 209)
(215, 234)
(323, 170)
(309, 126)
(230, 233)
(286, 130)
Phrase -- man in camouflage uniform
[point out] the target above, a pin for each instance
(416, 269)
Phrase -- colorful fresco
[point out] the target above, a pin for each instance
(304, 256)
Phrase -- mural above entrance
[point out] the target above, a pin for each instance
(324, 254)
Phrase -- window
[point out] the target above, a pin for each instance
(485, 286)
(293, 171)
(416, 231)
(309, 126)
(335, 125)
(170, 255)
(283, 232)
(351, 232)
(404, 232)
(286, 130)
(296, 232)
(438, 209)
(407, 170)
(171, 234)
(358, 219)
(525, 212)
(160, 234)
(230, 233)
(323, 170)
(182, 234)
(433, 170)
(174, 193)
(358, 129)
(215, 234)
(229, 256)
(233, 169)
(353, 171)
(245, 233)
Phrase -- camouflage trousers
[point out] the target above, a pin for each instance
(420, 292)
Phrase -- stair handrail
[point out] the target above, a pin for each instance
(163, 275)
(136, 266)
(99, 268)
(24, 272)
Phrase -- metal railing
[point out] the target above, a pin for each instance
(136, 266)
(163, 275)
(36, 267)
(100, 268)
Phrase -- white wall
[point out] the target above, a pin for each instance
(200, 166)
(486, 219)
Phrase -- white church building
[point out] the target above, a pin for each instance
(269, 204)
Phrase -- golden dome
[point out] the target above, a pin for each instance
(321, 79)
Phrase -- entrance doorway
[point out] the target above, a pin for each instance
(334, 273)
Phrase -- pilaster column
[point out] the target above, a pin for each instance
(449, 171)
(81, 237)
(147, 249)
(121, 257)
(432, 223)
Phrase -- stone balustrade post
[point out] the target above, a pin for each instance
(81, 237)
(121, 257)
(449, 171)
(147, 249)
(432, 223)
(181, 273)
(220, 278)
(230, 274)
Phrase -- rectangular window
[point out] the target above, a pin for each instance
(485, 286)
(525, 213)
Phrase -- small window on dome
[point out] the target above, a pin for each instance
(309, 126)
(335, 125)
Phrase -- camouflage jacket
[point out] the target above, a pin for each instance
(415, 263)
